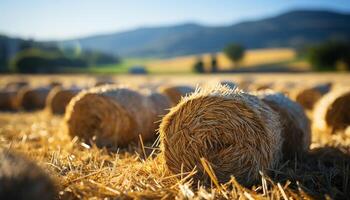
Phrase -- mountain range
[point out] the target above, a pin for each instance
(291, 29)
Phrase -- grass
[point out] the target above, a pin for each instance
(83, 171)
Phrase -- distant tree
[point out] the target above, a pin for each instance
(326, 56)
(3, 57)
(39, 61)
(199, 66)
(214, 63)
(96, 58)
(234, 52)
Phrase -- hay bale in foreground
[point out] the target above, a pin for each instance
(21, 179)
(308, 97)
(112, 115)
(175, 93)
(235, 132)
(332, 112)
(58, 99)
(31, 99)
(296, 132)
(8, 100)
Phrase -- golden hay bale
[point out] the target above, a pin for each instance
(308, 97)
(58, 99)
(246, 83)
(17, 84)
(262, 86)
(32, 98)
(175, 93)
(235, 132)
(332, 112)
(296, 132)
(8, 100)
(22, 179)
(112, 115)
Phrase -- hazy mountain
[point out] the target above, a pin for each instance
(292, 29)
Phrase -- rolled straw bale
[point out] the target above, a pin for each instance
(112, 115)
(262, 86)
(175, 93)
(22, 179)
(235, 132)
(332, 112)
(58, 99)
(32, 98)
(308, 97)
(296, 132)
(246, 83)
(8, 100)
(17, 84)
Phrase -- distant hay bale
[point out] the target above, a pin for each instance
(16, 84)
(235, 132)
(8, 100)
(175, 93)
(308, 97)
(32, 98)
(246, 83)
(332, 112)
(296, 132)
(112, 115)
(58, 98)
(55, 84)
(21, 179)
(262, 86)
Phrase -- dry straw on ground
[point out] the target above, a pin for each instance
(175, 93)
(234, 131)
(21, 179)
(32, 98)
(296, 132)
(58, 99)
(332, 112)
(112, 115)
(308, 97)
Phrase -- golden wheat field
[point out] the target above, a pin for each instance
(253, 58)
(135, 138)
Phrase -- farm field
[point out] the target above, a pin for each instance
(83, 170)
(282, 57)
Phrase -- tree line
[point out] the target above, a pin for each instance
(32, 57)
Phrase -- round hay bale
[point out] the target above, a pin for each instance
(58, 99)
(332, 112)
(160, 106)
(32, 98)
(308, 97)
(175, 93)
(262, 86)
(246, 83)
(17, 84)
(21, 179)
(235, 132)
(8, 100)
(296, 132)
(112, 115)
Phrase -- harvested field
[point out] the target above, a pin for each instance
(83, 170)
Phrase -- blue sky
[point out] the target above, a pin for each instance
(62, 19)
